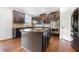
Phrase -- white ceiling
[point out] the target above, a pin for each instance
(34, 11)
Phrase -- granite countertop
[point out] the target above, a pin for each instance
(21, 25)
(27, 25)
(34, 29)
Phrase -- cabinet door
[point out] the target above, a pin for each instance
(18, 17)
(18, 33)
(44, 44)
(46, 37)
(51, 16)
(57, 15)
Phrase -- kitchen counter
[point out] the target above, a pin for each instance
(34, 29)
(21, 25)
(29, 25)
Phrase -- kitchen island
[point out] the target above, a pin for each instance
(35, 39)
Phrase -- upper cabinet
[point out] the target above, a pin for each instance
(18, 17)
(46, 18)
(54, 15)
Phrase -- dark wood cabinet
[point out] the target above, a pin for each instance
(18, 17)
(54, 15)
(16, 32)
(45, 40)
(46, 18)
(57, 15)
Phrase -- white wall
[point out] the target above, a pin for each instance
(65, 23)
(5, 23)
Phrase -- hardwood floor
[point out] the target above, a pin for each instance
(55, 45)
(59, 45)
(10, 45)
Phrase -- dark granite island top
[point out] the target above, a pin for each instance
(35, 29)
(35, 39)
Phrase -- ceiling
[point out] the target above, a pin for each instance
(34, 11)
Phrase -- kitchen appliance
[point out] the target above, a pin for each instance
(75, 29)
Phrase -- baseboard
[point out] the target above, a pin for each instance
(5, 39)
(65, 40)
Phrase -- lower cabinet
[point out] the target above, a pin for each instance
(16, 32)
(45, 40)
(44, 43)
